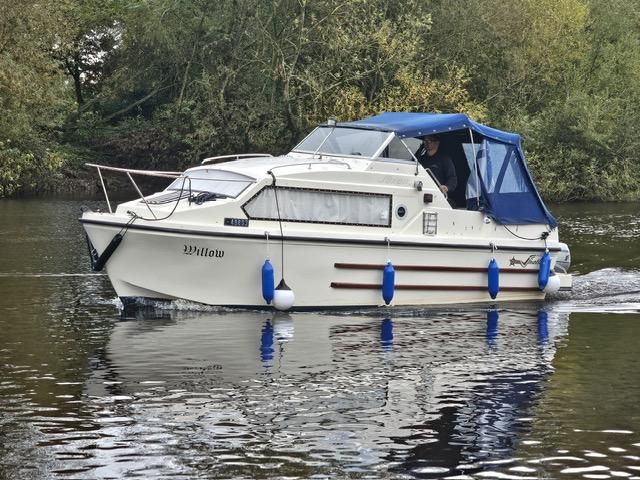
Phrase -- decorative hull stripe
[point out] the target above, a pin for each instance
(376, 286)
(454, 246)
(428, 268)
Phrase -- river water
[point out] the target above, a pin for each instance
(522, 391)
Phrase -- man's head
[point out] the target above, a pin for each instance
(431, 144)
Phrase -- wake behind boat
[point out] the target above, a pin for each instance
(348, 218)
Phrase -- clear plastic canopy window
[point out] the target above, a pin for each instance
(498, 168)
(501, 186)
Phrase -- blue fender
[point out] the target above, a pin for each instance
(388, 283)
(268, 282)
(545, 270)
(493, 278)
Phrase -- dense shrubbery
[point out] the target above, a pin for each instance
(165, 83)
(22, 170)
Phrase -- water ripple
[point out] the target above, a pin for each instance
(522, 390)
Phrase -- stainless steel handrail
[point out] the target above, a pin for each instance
(309, 164)
(129, 171)
(224, 158)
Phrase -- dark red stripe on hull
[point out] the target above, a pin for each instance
(428, 268)
(375, 286)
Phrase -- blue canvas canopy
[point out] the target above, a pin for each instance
(504, 187)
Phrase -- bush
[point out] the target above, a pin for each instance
(22, 170)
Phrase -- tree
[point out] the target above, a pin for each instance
(250, 75)
(32, 94)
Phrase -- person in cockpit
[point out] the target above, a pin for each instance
(439, 163)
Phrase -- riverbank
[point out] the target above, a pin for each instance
(68, 175)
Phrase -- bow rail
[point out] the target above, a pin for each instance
(129, 172)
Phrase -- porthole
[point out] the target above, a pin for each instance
(401, 212)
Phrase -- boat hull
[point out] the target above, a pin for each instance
(225, 269)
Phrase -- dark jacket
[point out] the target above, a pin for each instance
(442, 168)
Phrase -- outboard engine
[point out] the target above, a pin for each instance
(563, 260)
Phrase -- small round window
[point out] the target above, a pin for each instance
(401, 211)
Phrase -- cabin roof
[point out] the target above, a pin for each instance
(407, 124)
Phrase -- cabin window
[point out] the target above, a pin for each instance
(321, 206)
(221, 182)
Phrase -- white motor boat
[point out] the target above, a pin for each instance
(348, 218)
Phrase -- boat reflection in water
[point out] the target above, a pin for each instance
(308, 393)
(281, 333)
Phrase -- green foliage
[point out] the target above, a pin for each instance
(12, 164)
(33, 96)
(588, 132)
(21, 169)
(248, 75)
(566, 75)
(165, 83)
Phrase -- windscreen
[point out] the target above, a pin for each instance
(342, 141)
(222, 182)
